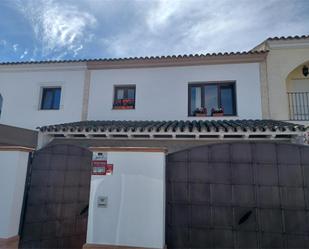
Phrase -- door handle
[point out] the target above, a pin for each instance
(84, 210)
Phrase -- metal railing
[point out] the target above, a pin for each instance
(299, 105)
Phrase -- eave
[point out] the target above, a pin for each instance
(176, 130)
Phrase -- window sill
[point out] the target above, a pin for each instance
(123, 108)
(216, 117)
(49, 109)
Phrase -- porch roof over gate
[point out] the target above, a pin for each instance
(176, 129)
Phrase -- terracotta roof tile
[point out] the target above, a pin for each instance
(152, 58)
(175, 126)
(288, 38)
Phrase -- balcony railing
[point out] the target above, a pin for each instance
(299, 105)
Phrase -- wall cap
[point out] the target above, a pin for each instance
(129, 149)
(97, 246)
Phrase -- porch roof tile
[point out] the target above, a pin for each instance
(179, 126)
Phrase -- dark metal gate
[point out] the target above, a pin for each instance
(238, 195)
(57, 195)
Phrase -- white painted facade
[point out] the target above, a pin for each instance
(13, 166)
(21, 89)
(135, 212)
(162, 93)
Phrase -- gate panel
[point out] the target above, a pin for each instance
(58, 192)
(238, 195)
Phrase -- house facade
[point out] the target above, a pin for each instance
(161, 86)
(161, 89)
(155, 151)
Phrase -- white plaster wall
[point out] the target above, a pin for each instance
(21, 90)
(13, 166)
(162, 93)
(135, 215)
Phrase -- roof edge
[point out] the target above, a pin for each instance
(280, 38)
(264, 45)
(185, 60)
(155, 61)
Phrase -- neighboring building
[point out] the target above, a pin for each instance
(193, 151)
(286, 81)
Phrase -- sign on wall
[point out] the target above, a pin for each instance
(99, 156)
(100, 165)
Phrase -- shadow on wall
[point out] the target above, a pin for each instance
(1, 102)
(297, 87)
(297, 79)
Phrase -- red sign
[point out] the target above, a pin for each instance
(109, 169)
(99, 167)
(102, 168)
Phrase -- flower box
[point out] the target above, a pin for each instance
(200, 114)
(217, 112)
(124, 104)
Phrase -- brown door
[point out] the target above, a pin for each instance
(238, 195)
(55, 210)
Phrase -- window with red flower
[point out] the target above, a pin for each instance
(124, 97)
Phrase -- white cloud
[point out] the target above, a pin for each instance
(24, 54)
(162, 12)
(15, 47)
(77, 49)
(58, 26)
(200, 26)
(124, 28)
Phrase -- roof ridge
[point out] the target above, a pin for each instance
(295, 37)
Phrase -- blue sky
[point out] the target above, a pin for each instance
(76, 29)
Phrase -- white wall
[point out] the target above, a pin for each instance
(135, 215)
(162, 93)
(13, 166)
(21, 89)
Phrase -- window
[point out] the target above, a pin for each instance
(1, 102)
(124, 97)
(51, 98)
(212, 99)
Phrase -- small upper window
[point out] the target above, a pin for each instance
(1, 102)
(212, 99)
(51, 98)
(124, 97)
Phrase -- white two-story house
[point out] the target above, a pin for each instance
(166, 88)
(191, 151)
